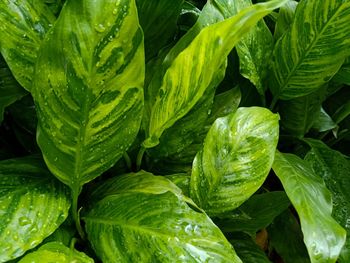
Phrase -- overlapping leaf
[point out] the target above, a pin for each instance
(137, 218)
(23, 25)
(236, 157)
(285, 18)
(88, 88)
(313, 49)
(32, 205)
(323, 236)
(56, 252)
(334, 168)
(180, 88)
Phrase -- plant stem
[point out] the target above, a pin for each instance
(127, 160)
(75, 211)
(139, 158)
(273, 103)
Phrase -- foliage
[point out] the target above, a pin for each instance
(174, 131)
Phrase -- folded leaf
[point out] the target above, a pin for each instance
(33, 205)
(88, 88)
(10, 90)
(235, 160)
(323, 236)
(181, 89)
(313, 49)
(334, 168)
(23, 25)
(133, 223)
(56, 252)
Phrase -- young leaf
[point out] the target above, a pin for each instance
(56, 252)
(181, 89)
(286, 238)
(88, 88)
(334, 168)
(133, 223)
(33, 204)
(323, 236)
(23, 25)
(236, 158)
(313, 49)
(10, 90)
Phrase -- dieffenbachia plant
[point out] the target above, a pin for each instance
(174, 131)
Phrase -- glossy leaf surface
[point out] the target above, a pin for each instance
(236, 157)
(137, 219)
(56, 252)
(181, 89)
(23, 25)
(334, 168)
(313, 49)
(323, 236)
(33, 204)
(88, 88)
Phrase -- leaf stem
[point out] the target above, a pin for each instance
(273, 103)
(75, 211)
(139, 158)
(127, 160)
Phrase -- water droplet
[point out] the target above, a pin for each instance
(23, 221)
(100, 28)
(15, 237)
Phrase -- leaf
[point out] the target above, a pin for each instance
(56, 252)
(158, 20)
(23, 25)
(323, 236)
(182, 181)
(333, 168)
(342, 113)
(134, 222)
(343, 75)
(324, 122)
(285, 18)
(298, 115)
(236, 158)
(291, 249)
(33, 205)
(10, 90)
(255, 214)
(180, 89)
(313, 49)
(89, 101)
(248, 250)
(254, 49)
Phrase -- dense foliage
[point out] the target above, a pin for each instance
(175, 131)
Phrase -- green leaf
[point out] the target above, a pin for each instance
(181, 89)
(88, 88)
(158, 20)
(323, 236)
(33, 204)
(285, 18)
(182, 181)
(23, 25)
(342, 113)
(235, 160)
(324, 122)
(56, 252)
(255, 214)
(138, 218)
(343, 75)
(298, 115)
(10, 90)
(313, 50)
(334, 168)
(248, 250)
(292, 249)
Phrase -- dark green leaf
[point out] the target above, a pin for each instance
(138, 218)
(33, 204)
(88, 88)
(287, 239)
(313, 49)
(23, 25)
(323, 236)
(323, 122)
(56, 252)
(236, 158)
(334, 168)
(182, 181)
